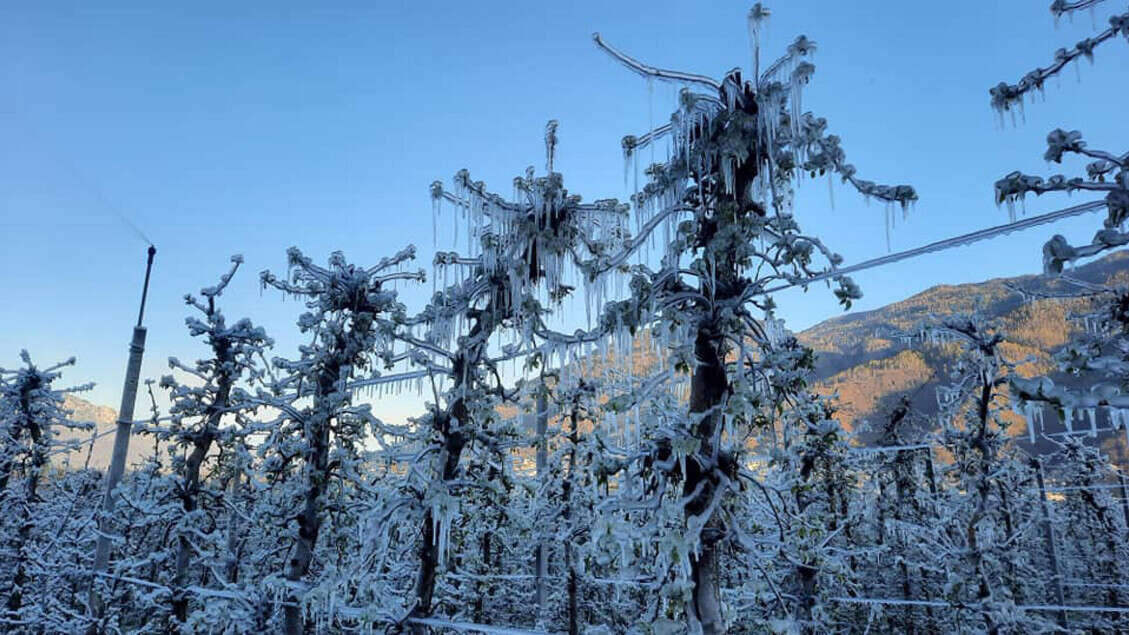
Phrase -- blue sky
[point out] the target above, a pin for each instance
(220, 128)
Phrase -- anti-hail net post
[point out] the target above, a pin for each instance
(121, 444)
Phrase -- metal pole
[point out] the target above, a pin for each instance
(121, 445)
(1049, 538)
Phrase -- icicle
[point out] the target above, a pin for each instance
(435, 202)
(889, 221)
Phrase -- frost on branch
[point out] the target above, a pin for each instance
(1099, 357)
(31, 415)
(1009, 97)
(1107, 173)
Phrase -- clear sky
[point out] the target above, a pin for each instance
(221, 128)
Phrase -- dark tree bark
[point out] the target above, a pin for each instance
(452, 443)
(309, 519)
(38, 459)
(190, 483)
(708, 387)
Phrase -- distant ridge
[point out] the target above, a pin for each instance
(104, 418)
(871, 372)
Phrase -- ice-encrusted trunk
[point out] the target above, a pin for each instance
(452, 448)
(317, 480)
(566, 499)
(1107, 532)
(486, 586)
(709, 382)
(904, 487)
(542, 556)
(983, 484)
(234, 525)
(451, 427)
(1009, 528)
(806, 569)
(38, 460)
(190, 482)
(708, 386)
(11, 447)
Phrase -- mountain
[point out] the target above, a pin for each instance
(870, 370)
(104, 419)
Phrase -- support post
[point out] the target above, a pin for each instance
(121, 446)
(117, 463)
(1049, 539)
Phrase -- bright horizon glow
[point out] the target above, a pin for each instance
(219, 129)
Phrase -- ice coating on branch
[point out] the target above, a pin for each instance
(1107, 174)
(1007, 97)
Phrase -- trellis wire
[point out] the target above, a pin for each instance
(958, 605)
(466, 627)
(948, 243)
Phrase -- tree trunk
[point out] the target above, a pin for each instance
(1049, 541)
(234, 527)
(39, 458)
(707, 390)
(453, 441)
(984, 591)
(542, 560)
(566, 495)
(191, 481)
(191, 487)
(309, 519)
(453, 445)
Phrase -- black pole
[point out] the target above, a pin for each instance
(145, 287)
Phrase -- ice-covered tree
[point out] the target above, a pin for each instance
(31, 414)
(738, 148)
(214, 394)
(572, 521)
(897, 503)
(312, 453)
(1092, 540)
(987, 507)
(516, 269)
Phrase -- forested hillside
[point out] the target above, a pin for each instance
(860, 358)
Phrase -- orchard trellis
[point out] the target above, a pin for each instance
(715, 492)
